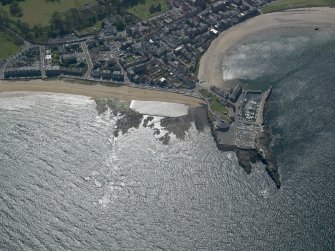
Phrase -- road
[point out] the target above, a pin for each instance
(42, 56)
(88, 60)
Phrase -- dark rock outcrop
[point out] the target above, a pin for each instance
(129, 119)
(263, 141)
(147, 120)
(165, 139)
(245, 158)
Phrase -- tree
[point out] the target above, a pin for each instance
(37, 30)
(119, 23)
(56, 24)
(155, 8)
(24, 28)
(4, 2)
(15, 9)
(3, 17)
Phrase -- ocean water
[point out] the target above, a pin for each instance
(68, 183)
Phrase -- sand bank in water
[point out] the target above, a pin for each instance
(210, 69)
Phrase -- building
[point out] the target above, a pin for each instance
(23, 72)
(219, 6)
(96, 73)
(106, 74)
(52, 71)
(68, 59)
(235, 94)
(117, 76)
(220, 126)
(73, 71)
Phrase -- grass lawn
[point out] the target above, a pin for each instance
(220, 109)
(204, 92)
(142, 10)
(130, 59)
(93, 29)
(216, 106)
(8, 46)
(40, 11)
(291, 4)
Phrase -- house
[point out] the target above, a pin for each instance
(106, 74)
(130, 73)
(52, 71)
(73, 71)
(68, 59)
(117, 76)
(96, 73)
(221, 5)
(22, 72)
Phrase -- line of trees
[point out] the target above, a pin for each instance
(125, 3)
(64, 23)
(60, 23)
(5, 2)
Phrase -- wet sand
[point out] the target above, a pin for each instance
(210, 68)
(125, 93)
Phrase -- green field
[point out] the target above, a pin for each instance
(142, 10)
(292, 4)
(39, 11)
(8, 46)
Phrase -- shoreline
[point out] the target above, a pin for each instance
(210, 69)
(95, 91)
(210, 66)
(211, 74)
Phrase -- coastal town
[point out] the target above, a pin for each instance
(167, 125)
(161, 53)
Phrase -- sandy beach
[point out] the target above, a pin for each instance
(210, 70)
(97, 91)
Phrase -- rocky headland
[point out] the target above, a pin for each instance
(237, 124)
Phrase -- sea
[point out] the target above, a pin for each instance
(68, 182)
